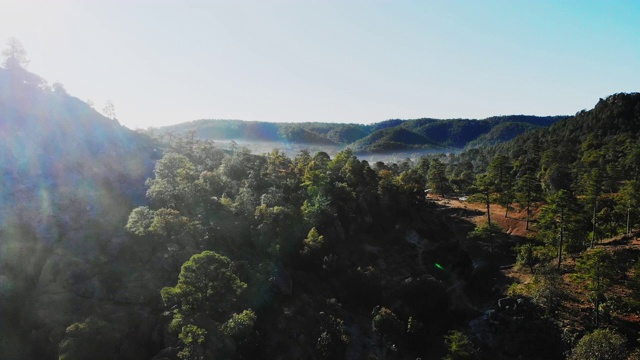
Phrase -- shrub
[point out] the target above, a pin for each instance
(602, 344)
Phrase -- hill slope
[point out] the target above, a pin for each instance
(69, 178)
(383, 137)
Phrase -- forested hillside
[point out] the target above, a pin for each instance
(380, 138)
(575, 189)
(69, 178)
(117, 245)
(229, 254)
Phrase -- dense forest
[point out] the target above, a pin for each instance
(379, 138)
(117, 244)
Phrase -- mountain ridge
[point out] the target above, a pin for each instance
(416, 134)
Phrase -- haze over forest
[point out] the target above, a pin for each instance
(423, 190)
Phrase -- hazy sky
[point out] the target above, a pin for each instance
(163, 62)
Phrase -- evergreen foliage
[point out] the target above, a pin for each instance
(382, 137)
(285, 256)
(459, 347)
(602, 344)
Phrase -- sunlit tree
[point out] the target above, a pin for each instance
(109, 110)
(14, 55)
(597, 268)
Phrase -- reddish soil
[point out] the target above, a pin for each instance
(577, 310)
(514, 224)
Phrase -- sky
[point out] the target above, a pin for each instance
(164, 62)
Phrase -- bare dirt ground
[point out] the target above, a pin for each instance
(513, 224)
(577, 309)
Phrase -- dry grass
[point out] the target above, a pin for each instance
(577, 310)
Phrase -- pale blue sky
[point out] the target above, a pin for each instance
(163, 62)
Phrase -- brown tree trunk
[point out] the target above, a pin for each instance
(593, 220)
(488, 210)
(528, 214)
(561, 238)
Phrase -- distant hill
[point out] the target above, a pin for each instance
(393, 139)
(501, 133)
(383, 137)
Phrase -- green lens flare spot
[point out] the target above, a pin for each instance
(439, 266)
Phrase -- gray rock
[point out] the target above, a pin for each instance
(506, 303)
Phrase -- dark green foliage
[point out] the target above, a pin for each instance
(453, 133)
(456, 133)
(69, 178)
(485, 185)
(459, 347)
(193, 338)
(598, 269)
(203, 305)
(501, 133)
(299, 135)
(347, 134)
(275, 234)
(92, 338)
(502, 180)
(559, 223)
(239, 326)
(386, 326)
(527, 191)
(392, 139)
(273, 216)
(206, 285)
(485, 232)
(313, 242)
(437, 178)
(627, 205)
(525, 255)
(602, 344)
(546, 289)
(386, 136)
(333, 340)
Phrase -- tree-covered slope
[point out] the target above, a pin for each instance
(501, 133)
(69, 177)
(228, 254)
(392, 139)
(53, 142)
(454, 133)
(571, 192)
(601, 137)
(247, 131)
(383, 137)
(448, 134)
(227, 130)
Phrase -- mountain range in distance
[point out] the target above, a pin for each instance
(386, 137)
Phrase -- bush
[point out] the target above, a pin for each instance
(525, 256)
(602, 344)
(485, 232)
(546, 289)
(459, 347)
(476, 198)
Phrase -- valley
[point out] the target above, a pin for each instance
(117, 244)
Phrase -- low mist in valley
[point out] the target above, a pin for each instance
(417, 187)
